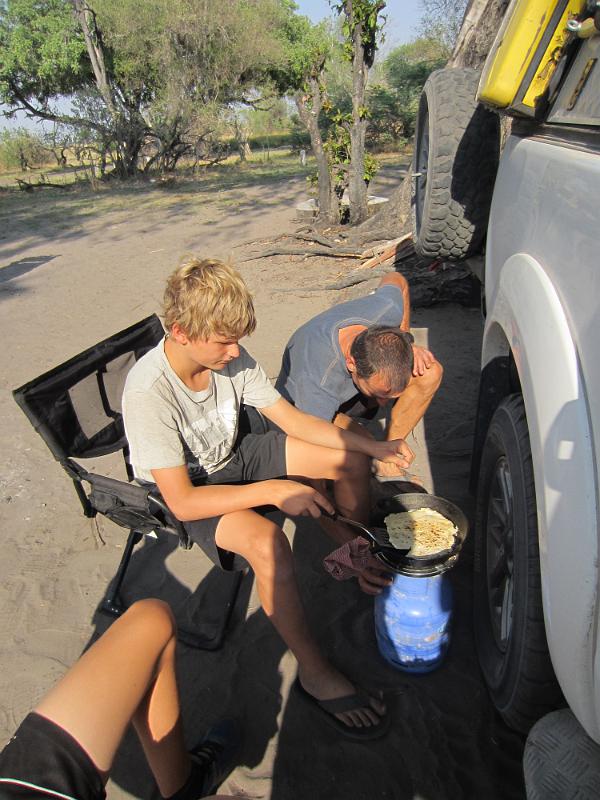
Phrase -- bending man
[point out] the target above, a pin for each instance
(359, 355)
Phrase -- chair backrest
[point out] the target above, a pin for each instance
(76, 407)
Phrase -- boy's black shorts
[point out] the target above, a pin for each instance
(257, 457)
(43, 761)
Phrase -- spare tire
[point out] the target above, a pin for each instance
(457, 144)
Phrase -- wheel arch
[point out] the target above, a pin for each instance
(499, 378)
(528, 344)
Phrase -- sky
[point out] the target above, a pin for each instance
(403, 17)
(402, 20)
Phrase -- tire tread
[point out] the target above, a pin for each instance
(463, 157)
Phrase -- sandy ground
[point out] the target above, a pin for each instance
(62, 291)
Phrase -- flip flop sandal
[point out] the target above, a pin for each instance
(339, 705)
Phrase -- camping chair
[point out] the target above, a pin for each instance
(76, 409)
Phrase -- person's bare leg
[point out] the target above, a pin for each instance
(349, 471)
(266, 548)
(127, 675)
(351, 474)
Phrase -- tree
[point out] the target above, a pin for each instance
(360, 26)
(393, 105)
(442, 20)
(21, 149)
(308, 49)
(154, 65)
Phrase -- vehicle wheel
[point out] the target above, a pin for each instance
(457, 143)
(509, 622)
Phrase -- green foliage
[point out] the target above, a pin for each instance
(393, 103)
(169, 64)
(42, 51)
(338, 149)
(21, 149)
(442, 20)
(277, 140)
(307, 47)
(363, 15)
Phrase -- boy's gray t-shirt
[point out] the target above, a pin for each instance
(313, 375)
(168, 424)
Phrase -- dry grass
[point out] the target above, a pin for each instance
(205, 192)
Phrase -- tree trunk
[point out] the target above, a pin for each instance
(478, 30)
(357, 188)
(309, 107)
(128, 125)
(93, 42)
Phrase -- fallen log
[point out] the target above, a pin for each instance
(292, 251)
(26, 186)
(391, 250)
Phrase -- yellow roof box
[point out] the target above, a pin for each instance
(525, 54)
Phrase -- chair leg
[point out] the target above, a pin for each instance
(225, 593)
(112, 603)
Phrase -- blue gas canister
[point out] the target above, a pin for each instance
(413, 615)
(412, 621)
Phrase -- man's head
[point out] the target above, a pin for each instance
(381, 362)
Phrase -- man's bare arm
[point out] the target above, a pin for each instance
(395, 279)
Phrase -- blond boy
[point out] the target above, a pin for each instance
(181, 407)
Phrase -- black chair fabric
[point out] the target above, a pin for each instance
(76, 409)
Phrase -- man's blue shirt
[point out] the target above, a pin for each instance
(314, 376)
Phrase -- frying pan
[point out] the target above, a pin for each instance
(397, 559)
(422, 565)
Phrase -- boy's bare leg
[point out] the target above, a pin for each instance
(266, 548)
(350, 472)
(351, 475)
(127, 675)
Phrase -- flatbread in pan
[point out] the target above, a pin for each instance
(425, 531)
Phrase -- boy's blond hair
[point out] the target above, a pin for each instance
(208, 297)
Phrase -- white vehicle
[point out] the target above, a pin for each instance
(535, 212)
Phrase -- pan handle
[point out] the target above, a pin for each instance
(376, 546)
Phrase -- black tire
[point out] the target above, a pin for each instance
(509, 621)
(457, 143)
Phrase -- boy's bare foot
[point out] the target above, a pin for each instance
(332, 691)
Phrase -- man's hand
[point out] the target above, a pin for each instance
(386, 470)
(297, 499)
(395, 452)
(423, 359)
(373, 581)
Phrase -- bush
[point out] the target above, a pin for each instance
(284, 139)
(21, 149)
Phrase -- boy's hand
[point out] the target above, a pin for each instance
(297, 499)
(395, 452)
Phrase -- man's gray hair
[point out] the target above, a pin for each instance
(385, 350)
